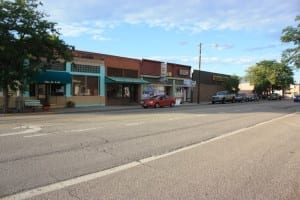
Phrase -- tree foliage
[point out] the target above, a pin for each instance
(266, 76)
(26, 37)
(232, 84)
(292, 35)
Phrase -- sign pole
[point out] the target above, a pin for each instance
(198, 97)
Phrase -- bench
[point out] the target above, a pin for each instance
(32, 103)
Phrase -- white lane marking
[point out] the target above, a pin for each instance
(74, 181)
(36, 135)
(29, 129)
(60, 185)
(82, 130)
(134, 124)
(201, 115)
(173, 118)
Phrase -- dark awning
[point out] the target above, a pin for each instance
(113, 79)
(54, 77)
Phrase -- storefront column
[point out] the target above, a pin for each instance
(68, 86)
(26, 94)
(102, 81)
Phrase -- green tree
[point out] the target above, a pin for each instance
(26, 38)
(292, 35)
(283, 77)
(257, 75)
(266, 76)
(232, 84)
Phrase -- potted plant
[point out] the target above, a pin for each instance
(70, 104)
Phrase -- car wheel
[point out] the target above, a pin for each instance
(223, 100)
(213, 102)
(145, 106)
(156, 105)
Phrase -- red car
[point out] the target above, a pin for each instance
(158, 101)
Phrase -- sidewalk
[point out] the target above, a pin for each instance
(88, 109)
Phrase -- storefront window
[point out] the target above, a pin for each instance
(152, 90)
(57, 90)
(118, 91)
(85, 86)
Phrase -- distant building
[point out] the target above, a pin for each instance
(209, 83)
(246, 87)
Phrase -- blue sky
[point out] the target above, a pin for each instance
(235, 34)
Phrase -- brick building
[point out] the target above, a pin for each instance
(95, 79)
(209, 83)
(166, 78)
(122, 78)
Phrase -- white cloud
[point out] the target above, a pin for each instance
(93, 29)
(191, 15)
(221, 47)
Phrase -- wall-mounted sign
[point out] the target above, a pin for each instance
(219, 78)
(183, 72)
(163, 69)
(187, 82)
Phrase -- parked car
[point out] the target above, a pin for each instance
(241, 97)
(158, 101)
(274, 96)
(297, 98)
(222, 97)
(252, 97)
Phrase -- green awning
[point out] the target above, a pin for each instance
(54, 77)
(113, 79)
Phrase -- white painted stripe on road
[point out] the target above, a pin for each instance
(68, 183)
(201, 115)
(93, 176)
(37, 135)
(173, 118)
(134, 124)
(30, 129)
(82, 130)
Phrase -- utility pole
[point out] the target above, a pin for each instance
(198, 97)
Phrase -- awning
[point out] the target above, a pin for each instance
(54, 77)
(113, 79)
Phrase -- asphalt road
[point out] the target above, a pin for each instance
(231, 151)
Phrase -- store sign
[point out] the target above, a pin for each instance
(187, 82)
(183, 72)
(163, 69)
(219, 78)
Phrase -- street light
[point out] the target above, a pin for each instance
(198, 97)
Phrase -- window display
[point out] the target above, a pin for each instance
(85, 86)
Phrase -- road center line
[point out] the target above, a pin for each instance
(93, 176)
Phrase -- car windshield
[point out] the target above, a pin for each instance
(155, 97)
(221, 93)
